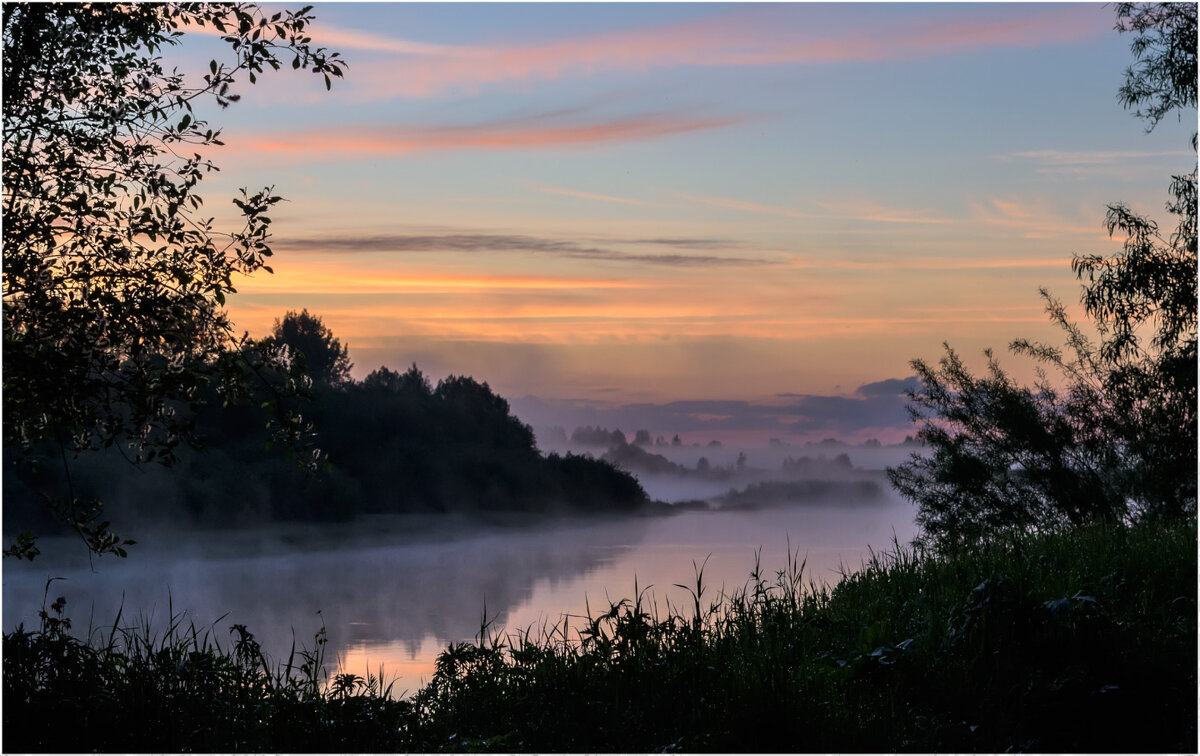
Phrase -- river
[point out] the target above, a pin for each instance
(392, 592)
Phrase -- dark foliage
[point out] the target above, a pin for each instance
(391, 443)
(454, 446)
(780, 492)
(1005, 459)
(597, 436)
(1163, 76)
(113, 280)
(313, 348)
(1113, 434)
(634, 457)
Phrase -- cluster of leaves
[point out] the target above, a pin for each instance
(1075, 642)
(1112, 434)
(114, 280)
(1163, 76)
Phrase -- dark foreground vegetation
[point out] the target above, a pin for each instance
(1081, 641)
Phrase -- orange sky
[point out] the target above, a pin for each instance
(690, 201)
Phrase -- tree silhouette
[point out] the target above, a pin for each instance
(114, 282)
(1163, 75)
(1116, 438)
(313, 348)
(410, 381)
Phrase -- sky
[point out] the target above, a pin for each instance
(725, 216)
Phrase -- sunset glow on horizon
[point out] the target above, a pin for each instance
(617, 203)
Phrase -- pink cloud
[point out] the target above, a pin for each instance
(1033, 219)
(524, 134)
(760, 37)
(872, 212)
(336, 38)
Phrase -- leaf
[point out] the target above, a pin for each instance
(1057, 606)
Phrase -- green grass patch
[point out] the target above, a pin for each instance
(1080, 641)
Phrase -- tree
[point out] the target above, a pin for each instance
(114, 282)
(1116, 437)
(411, 381)
(313, 348)
(1163, 75)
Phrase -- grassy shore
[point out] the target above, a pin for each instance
(1081, 641)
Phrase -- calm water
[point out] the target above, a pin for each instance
(395, 591)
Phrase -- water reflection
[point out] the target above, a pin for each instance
(395, 591)
(416, 586)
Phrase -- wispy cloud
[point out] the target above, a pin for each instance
(339, 280)
(523, 134)
(873, 212)
(1026, 218)
(340, 38)
(1031, 219)
(744, 38)
(940, 263)
(865, 211)
(757, 208)
(689, 243)
(563, 191)
(483, 243)
(1086, 164)
(1092, 157)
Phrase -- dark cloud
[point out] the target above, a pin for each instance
(685, 260)
(434, 243)
(849, 414)
(476, 243)
(689, 243)
(875, 406)
(890, 387)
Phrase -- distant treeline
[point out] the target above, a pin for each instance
(587, 435)
(394, 443)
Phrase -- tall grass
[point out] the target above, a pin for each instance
(129, 688)
(1080, 641)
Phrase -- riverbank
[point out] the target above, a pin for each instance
(1083, 641)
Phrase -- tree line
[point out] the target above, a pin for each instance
(390, 443)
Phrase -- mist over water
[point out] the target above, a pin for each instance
(393, 591)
